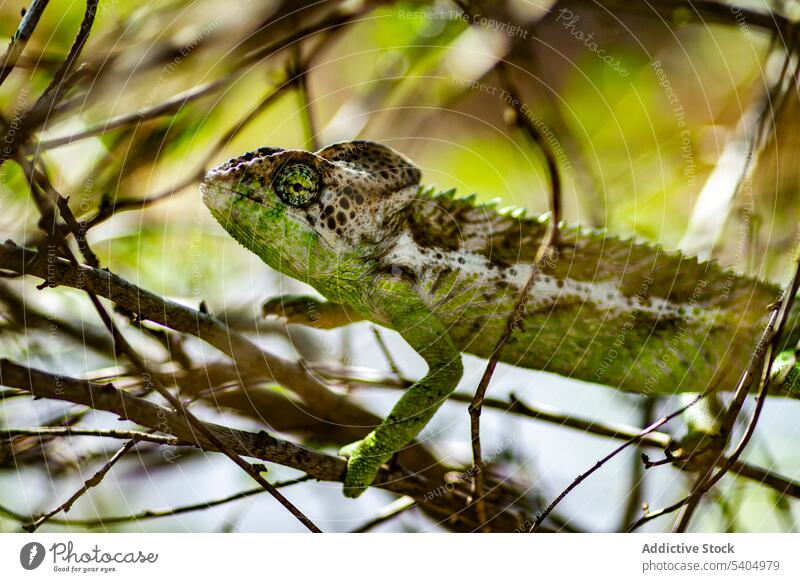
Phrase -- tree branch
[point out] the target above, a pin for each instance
(69, 431)
(249, 357)
(439, 498)
(93, 481)
(157, 513)
(26, 27)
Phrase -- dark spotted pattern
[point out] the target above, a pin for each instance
(380, 164)
(248, 157)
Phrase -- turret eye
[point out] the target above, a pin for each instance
(297, 184)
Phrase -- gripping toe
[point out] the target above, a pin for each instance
(362, 467)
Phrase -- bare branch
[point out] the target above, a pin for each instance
(388, 513)
(93, 481)
(157, 513)
(69, 431)
(542, 515)
(75, 50)
(250, 358)
(437, 497)
(29, 21)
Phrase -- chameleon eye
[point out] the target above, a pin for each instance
(297, 184)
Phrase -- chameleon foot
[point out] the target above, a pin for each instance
(301, 309)
(310, 311)
(363, 465)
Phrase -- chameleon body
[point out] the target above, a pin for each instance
(353, 221)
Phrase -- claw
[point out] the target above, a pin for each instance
(272, 307)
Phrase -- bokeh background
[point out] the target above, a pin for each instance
(672, 122)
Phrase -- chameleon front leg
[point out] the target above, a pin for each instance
(310, 311)
(426, 334)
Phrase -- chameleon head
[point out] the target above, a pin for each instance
(303, 212)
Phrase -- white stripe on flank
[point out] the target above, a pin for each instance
(604, 295)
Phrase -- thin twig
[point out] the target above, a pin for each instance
(157, 513)
(388, 513)
(84, 30)
(93, 481)
(637, 475)
(651, 515)
(546, 254)
(26, 27)
(386, 353)
(547, 251)
(299, 76)
(176, 103)
(68, 431)
(541, 516)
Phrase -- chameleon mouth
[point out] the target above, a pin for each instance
(222, 198)
(213, 196)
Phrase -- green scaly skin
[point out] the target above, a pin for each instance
(352, 221)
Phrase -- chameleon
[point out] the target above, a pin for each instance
(353, 221)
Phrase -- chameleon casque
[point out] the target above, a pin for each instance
(353, 221)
